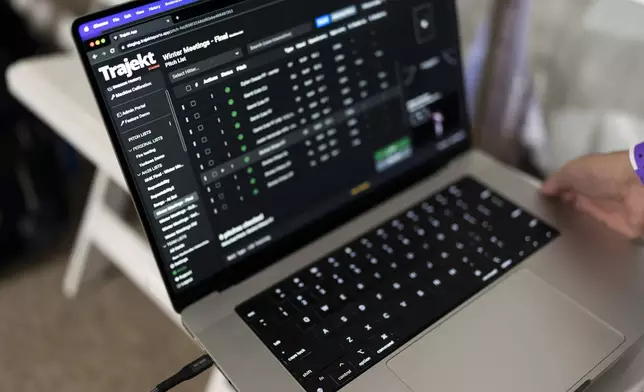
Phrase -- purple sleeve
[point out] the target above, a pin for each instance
(638, 153)
(638, 158)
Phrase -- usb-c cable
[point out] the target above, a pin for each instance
(188, 372)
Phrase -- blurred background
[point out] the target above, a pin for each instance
(81, 308)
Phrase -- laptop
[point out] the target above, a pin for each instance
(305, 176)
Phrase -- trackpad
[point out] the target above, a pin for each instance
(523, 335)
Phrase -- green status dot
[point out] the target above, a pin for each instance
(255, 192)
(243, 148)
(103, 40)
(237, 125)
(249, 170)
(227, 90)
(174, 273)
(253, 181)
(240, 137)
(246, 159)
(231, 101)
(234, 114)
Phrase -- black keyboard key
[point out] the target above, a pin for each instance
(382, 344)
(285, 312)
(306, 320)
(251, 312)
(288, 347)
(376, 298)
(295, 354)
(387, 250)
(299, 283)
(402, 316)
(279, 294)
(336, 318)
(316, 272)
(441, 199)
(282, 337)
(342, 372)
(304, 373)
(324, 329)
(463, 280)
(397, 285)
(481, 266)
(343, 296)
(260, 316)
(320, 383)
(355, 271)
(366, 243)
(359, 308)
(344, 318)
(360, 286)
(375, 277)
(321, 291)
(312, 365)
(304, 302)
(413, 216)
(361, 359)
(348, 338)
(382, 234)
(326, 308)
(419, 231)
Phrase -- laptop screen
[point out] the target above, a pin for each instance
(241, 124)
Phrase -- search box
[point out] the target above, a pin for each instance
(276, 39)
(205, 65)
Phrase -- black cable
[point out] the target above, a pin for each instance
(188, 372)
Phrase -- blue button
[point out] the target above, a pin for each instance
(322, 21)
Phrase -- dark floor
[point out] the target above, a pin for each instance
(111, 338)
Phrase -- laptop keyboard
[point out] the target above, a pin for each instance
(333, 320)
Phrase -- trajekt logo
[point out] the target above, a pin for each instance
(128, 66)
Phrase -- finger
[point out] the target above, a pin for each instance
(615, 220)
(555, 185)
(569, 197)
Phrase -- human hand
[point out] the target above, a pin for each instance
(604, 187)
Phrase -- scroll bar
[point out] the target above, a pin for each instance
(174, 115)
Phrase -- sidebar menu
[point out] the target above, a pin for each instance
(156, 152)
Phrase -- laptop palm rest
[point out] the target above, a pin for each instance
(523, 335)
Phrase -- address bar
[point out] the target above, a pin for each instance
(206, 19)
(170, 32)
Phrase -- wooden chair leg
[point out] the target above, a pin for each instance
(84, 264)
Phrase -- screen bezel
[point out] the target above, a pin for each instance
(284, 246)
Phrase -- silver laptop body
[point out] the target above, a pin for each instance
(555, 323)
(163, 72)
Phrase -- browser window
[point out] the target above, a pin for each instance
(244, 124)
